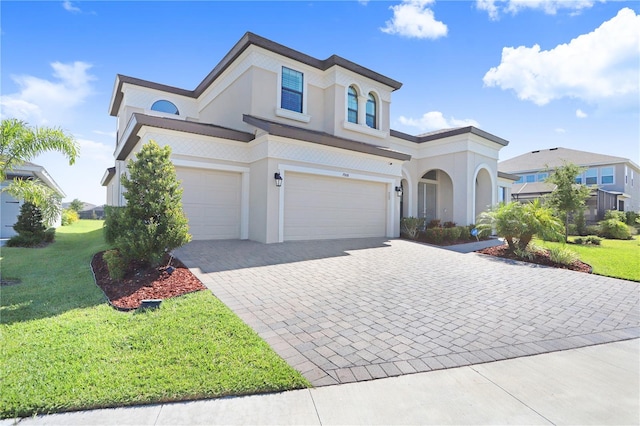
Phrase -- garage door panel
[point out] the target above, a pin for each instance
(322, 207)
(211, 201)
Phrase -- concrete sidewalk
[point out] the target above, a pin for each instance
(591, 385)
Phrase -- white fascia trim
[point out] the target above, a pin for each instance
(125, 135)
(391, 197)
(292, 115)
(363, 128)
(244, 200)
(42, 174)
(113, 96)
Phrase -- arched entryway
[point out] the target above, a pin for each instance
(483, 192)
(435, 196)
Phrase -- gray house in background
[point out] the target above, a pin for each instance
(10, 207)
(614, 179)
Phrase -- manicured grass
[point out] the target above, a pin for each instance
(63, 348)
(613, 258)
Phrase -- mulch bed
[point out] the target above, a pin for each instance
(540, 258)
(142, 283)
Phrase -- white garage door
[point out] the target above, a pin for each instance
(211, 201)
(9, 211)
(322, 207)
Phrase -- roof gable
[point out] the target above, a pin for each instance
(556, 157)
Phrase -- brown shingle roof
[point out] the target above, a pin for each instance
(553, 158)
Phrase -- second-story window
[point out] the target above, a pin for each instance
(165, 106)
(606, 175)
(591, 176)
(352, 105)
(292, 89)
(372, 116)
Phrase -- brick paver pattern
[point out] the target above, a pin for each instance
(350, 310)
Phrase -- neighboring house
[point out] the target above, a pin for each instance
(275, 145)
(10, 206)
(614, 179)
(88, 211)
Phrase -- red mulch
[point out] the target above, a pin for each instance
(144, 283)
(540, 258)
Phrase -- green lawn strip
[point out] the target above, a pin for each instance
(64, 348)
(613, 258)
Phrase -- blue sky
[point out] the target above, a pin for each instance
(539, 73)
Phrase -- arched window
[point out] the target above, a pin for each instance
(352, 105)
(165, 106)
(372, 114)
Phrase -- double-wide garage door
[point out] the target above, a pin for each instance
(211, 202)
(323, 207)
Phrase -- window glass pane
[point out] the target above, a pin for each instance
(579, 180)
(371, 111)
(591, 177)
(530, 178)
(352, 105)
(521, 180)
(607, 175)
(292, 84)
(542, 176)
(164, 106)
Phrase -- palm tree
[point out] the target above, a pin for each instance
(20, 143)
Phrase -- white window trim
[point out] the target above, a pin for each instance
(363, 128)
(292, 115)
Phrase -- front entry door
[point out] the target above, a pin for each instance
(427, 201)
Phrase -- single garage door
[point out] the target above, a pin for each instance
(322, 207)
(211, 201)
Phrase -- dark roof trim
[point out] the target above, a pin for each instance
(313, 136)
(179, 126)
(448, 133)
(247, 40)
(509, 176)
(109, 174)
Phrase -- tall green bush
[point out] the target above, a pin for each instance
(517, 223)
(410, 226)
(153, 222)
(614, 229)
(113, 223)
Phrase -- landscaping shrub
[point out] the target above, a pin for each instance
(616, 215)
(632, 218)
(449, 224)
(434, 223)
(29, 226)
(154, 222)
(562, 255)
(452, 234)
(411, 226)
(592, 239)
(69, 216)
(116, 264)
(434, 235)
(592, 230)
(113, 223)
(517, 223)
(614, 229)
(483, 233)
(572, 229)
(580, 223)
(49, 235)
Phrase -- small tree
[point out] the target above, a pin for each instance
(517, 223)
(76, 205)
(29, 226)
(568, 196)
(154, 222)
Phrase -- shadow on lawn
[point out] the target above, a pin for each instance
(58, 278)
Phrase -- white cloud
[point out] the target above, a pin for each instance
(92, 150)
(413, 19)
(435, 120)
(581, 114)
(560, 130)
(41, 101)
(550, 7)
(70, 7)
(601, 66)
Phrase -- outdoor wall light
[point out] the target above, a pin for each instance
(399, 191)
(278, 179)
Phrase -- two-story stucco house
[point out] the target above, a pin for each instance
(275, 145)
(614, 179)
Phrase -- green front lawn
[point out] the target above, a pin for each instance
(63, 348)
(614, 258)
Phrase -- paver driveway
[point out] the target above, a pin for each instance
(348, 310)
